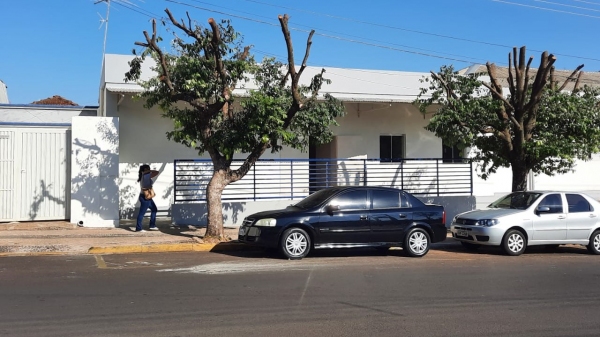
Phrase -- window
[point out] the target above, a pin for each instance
(578, 204)
(353, 200)
(385, 199)
(552, 201)
(391, 148)
(516, 200)
(451, 154)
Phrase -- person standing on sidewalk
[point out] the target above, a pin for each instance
(146, 179)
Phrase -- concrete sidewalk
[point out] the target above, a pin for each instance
(63, 238)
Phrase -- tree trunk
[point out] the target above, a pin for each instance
(519, 177)
(214, 228)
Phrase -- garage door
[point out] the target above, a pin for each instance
(35, 174)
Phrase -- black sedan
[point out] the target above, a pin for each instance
(348, 217)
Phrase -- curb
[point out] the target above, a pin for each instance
(172, 247)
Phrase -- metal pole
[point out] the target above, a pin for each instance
(437, 175)
(292, 178)
(364, 172)
(471, 174)
(254, 179)
(175, 181)
(327, 174)
(402, 175)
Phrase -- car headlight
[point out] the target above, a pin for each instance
(269, 222)
(488, 222)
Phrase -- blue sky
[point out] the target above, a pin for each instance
(55, 47)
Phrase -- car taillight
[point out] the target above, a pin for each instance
(444, 217)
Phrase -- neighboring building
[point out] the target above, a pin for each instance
(55, 100)
(35, 160)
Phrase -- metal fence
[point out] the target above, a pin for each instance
(297, 178)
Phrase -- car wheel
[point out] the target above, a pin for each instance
(514, 242)
(416, 243)
(594, 245)
(295, 243)
(470, 246)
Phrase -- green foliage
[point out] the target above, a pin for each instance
(196, 102)
(567, 126)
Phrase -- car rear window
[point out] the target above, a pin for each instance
(578, 204)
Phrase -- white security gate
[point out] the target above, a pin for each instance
(34, 173)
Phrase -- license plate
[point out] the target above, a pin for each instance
(242, 231)
(462, 232)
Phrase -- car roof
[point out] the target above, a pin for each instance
(360, 187)
(553, 191)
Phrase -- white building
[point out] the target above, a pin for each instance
(107, 150)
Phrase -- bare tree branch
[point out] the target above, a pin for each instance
(297, 99)
(571, 77)
(449, 91)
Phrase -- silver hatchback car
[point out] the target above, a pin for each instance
(522, 219)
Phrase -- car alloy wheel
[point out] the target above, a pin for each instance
(514, 243)
(295, 243)
(416, 243)
(594, 245)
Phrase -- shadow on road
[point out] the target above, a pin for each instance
(449, 245)
(453, 246)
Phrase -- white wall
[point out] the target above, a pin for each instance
(359, 130)
(94, 171)
(143, 140)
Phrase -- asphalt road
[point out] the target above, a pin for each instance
(335, 293)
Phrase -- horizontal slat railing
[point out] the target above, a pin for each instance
(297, 178)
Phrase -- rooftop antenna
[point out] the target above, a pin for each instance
(104, 22)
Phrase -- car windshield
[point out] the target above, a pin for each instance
(316, 198)
(516, 200)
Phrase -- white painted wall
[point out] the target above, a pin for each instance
(29, 113)
(143, 140)
(95, 171)
(359, 130)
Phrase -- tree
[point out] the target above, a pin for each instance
(194, 86)
(539, 126)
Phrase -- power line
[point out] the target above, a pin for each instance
(338, 33)
(570, 6)
(328, 35)
(588, 2)
(548, 9)
(412, 30)
(137, 9)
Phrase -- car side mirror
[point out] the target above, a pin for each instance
(542, 209)
(332, 208)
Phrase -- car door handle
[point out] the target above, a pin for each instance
(363, 217)
(562, 217)
(402, 216)
(592, 215)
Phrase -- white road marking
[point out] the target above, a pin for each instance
(305, 287)
(242, 266)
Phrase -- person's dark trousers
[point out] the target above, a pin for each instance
(144, 205)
